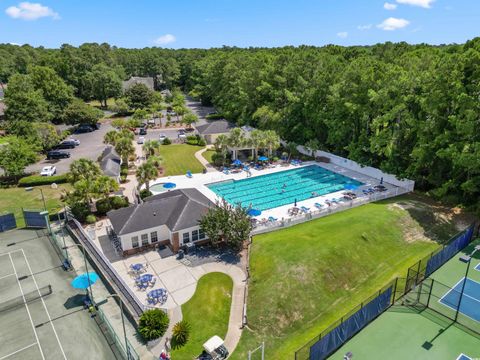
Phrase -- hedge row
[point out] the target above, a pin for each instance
(35, 180)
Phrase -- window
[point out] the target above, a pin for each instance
(153, 237)
(134, 242)
(201, 234)
(194, 235)
(144, 239)
(186, 237)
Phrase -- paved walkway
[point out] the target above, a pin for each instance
(203, 161)
(236, 310)
(132, 183)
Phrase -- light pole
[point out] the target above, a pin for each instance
(465, 281)
(123, 323)
(41, 192)
(86, 267)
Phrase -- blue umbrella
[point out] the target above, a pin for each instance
(263, 158)
(169, 185)
(253, 212)
(81, 281)
(350, 187)
(237, 162)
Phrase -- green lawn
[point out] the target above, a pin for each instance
(207, 312)
(208, 155)
(306, 277)
(178, 159)
(14, 199)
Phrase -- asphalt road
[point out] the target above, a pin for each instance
(91, 147)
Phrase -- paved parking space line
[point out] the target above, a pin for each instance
(16, 352)
(26, 306)
(44, 306)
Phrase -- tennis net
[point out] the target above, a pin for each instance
(25, 299)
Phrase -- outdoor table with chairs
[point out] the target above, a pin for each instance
(157, 296)
(137, 268)
(144, 281)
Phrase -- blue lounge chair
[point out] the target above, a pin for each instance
(272, 219)
(305, 209)
(189, 174)
(318, 205)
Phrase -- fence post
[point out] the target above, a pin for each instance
(430, 292)
(394, 290)
(418, 272)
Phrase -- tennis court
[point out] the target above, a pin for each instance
(41, 316)
(428, 332)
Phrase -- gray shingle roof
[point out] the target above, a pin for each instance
(215, 127)
(177, 209)
(147, 81)
(110, 167)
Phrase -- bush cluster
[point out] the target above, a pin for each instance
(111, 203)
(153, 324)
(35, 180)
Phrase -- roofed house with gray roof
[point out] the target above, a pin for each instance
(110, 163)
(147, 81)
(212, 129)
(170, 218)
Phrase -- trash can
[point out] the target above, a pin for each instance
(180, 254)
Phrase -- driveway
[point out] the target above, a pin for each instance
(198, 109)
(91, 147)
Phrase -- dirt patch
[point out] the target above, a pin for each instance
(301, 274)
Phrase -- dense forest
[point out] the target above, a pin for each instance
(412, 110)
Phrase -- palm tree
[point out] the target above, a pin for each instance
(104, 185)
(84, 169)
(291, 148)
(190, 119)
(156, 160)
(124, 148)
(221, 146)
(272, 141)
(111, 137)
(151, 147)
(312, 145)
(236, 138)
(145, 173)
(257, 140)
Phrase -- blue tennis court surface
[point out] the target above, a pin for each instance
(463, 357)
(470, 305)
(477, 267)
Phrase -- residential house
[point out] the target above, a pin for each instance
(147, 81)
(170, 218)
(110, 163)
(212, 129)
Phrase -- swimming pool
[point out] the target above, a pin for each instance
(281, 188)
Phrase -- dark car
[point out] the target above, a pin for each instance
(67, 144)
(57, 154)
(84, 128)
(142, 131)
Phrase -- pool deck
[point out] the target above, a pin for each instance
(199, 182)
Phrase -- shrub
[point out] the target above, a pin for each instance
(117, 202)
(103, 206)
(192, 142)
(90, 219)
(217, 159)
(202, 142)
(80, 210)
(275, 158)
(167, 141)
(35, 180)
(124, 171)
(214, 116)
(153, 324)
(181, 333)
(123, 179)
(145, 193)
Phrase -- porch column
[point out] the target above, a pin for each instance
(175, 242)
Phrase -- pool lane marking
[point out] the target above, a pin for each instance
(26, 306)
(44, 306)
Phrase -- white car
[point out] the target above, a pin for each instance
(162, 137)
(48, 171)
(76, 141)
(141, 140)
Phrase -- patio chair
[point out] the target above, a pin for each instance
(318, 205)
(305, 209)
(152, 282)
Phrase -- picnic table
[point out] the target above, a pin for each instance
(158, 295)
(145, 278)
(136, 267)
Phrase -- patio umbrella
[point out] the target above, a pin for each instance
(169, 185)
(262, 158)
(350, 187)
(254, 212)
(81, 281)
(237, 162)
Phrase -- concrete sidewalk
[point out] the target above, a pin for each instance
(204, 161)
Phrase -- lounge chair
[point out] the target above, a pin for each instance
(318, 205)
(272, 219)
(305, 209)
(189, 174)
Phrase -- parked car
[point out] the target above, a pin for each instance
(76, 141)
(66, 144)
(48, 170)
(181, 131)
(140, 140)
(142, 131)
(151, 121)
(57, 154)
(182, 136)
(84, 128)
(162, 137)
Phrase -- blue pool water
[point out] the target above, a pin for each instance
(273, 190)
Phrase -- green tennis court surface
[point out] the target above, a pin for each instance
(40, 315)
(416, 332)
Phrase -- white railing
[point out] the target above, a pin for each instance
(315, 214)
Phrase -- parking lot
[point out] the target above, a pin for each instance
(91, 147)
